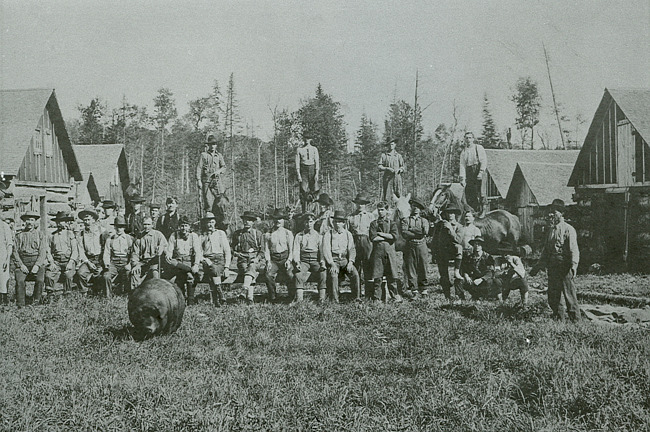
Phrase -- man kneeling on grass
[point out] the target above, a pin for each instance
(477, 269)
(513, 277)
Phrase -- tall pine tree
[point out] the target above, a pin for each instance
(367, 151)
(489, 137)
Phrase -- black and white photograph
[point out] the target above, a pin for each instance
(297, 215)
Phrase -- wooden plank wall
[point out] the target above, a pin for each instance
(44, 161)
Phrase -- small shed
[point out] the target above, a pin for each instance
(502, 164)
(37, 159)
(611, 178)
(533, 188)
(107, 172)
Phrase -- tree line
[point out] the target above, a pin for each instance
(163, 147)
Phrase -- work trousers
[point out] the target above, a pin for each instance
(89, 279)
(278, 266)
(213, 271)
(341, 263)
(445, 281)
(53, 274)
(310, 267)
(184, 279)
(562, 296)
(416, 260)
(391, 183)
(362, 262)
(308, 187)
(473, 188)
(117, 274)
(21, 277)
(148, 270)
(211, 191)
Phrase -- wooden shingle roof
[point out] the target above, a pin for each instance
(502, 163)
(20, 111)
(547, 181)
(100, 160)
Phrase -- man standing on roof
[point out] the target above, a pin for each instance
(392, 166)
(209, 174)
(473, 163)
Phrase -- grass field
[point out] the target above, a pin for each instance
(423, 365)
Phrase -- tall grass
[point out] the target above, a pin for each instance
(421, 365)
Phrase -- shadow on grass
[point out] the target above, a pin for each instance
(126, 332)
(486, 311)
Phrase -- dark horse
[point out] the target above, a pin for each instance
(499, 228)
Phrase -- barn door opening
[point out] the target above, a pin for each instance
(626, 153)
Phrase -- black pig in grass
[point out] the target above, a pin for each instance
(156, 307)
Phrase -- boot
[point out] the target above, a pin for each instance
(4, 299)
(190, 294)
(299, 295)
(322, 295)
(217, 296)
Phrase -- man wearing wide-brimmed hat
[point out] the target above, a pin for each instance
(383, 233)
(116, 255)
(62, 255)
(339, 254)
(278, 253)
(184, 255)
(477, 270)
(135, 219)
(90, 266)
(248, 250)
(324, 220)
(29, 255)
(209, 171)
(415, 228)
(147, 253)
(446, 246)
(359, 225)
(307, 259)
(392, 166)
(560, 257)
(307, 168)
(216, 257)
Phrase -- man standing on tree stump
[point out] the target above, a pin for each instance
(392, 165)
(209, 171)
(307, 168)
(473, 163)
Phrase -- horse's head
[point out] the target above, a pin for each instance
(441, 198)
(402, 208)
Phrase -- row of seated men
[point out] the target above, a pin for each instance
(99, 258)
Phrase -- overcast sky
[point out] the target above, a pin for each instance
(364, 53)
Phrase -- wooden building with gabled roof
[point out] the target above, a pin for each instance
(533, 188)
(612, 179)
(501, 164)
(37, 159)
(107, 172)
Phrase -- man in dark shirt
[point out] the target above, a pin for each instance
(135, 219)
(383, 259)
(414, 230)
(446, 246)
(168, 223)
(477, 269)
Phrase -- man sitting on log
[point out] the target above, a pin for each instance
(62, 255)
(216, 257)
(278, 253)
(183, 254)
(147, 252)
(248, 249)
(307, 258)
